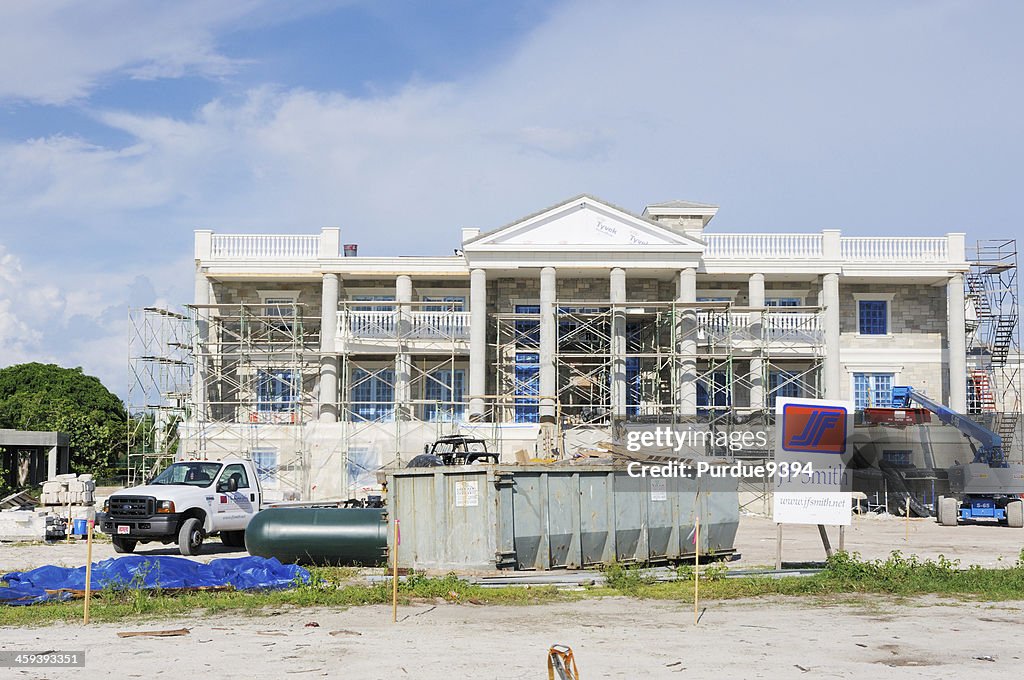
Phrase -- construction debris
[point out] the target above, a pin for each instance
(177, 632)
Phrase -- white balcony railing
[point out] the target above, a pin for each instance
(385, 325)
(776, 326)
(756, 246)
(883, 249)
(879, 249)
(263, 247)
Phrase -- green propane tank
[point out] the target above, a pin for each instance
(320, 536)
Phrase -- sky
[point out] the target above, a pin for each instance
(127, 124)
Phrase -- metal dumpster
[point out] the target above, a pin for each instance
(551, 517)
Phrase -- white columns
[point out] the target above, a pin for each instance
(687, 330)
(831, 363)
(618, 344)
(957, 343)
(328, 360)
(548, 340)
(201, 297)
(51, 463)
(403, 362)
(756, 376)
(477, 342)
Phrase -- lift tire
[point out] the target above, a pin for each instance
(948, 512)
(1015, 514)
(123, 545)
(190, 537)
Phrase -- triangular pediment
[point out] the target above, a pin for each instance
(584, 222)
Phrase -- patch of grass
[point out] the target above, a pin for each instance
(844, 575)
(329, 587)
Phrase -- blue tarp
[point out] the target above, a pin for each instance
(140, 572)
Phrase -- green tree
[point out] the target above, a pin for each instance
(48, 397)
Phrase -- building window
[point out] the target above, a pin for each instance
(782, 384)
(872, 390)
(373, 394)
(266, 461)
(713, 390)
(361, 466)
(633, 386)
(372, 307)
(528, 330)
(873, 317)
(900, 457)
(443, 392)
(445, 303)
(527, 387)
(279, 308)
(783, 302)
(276, 391)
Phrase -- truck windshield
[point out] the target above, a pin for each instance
(189, 474)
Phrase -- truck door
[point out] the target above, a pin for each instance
(234, 509)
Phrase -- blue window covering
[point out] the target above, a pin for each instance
(444, 388)
(276, 391)
(528, 330)
(527, 379)
(873, 315)
(373, 395)
(783, 302)
(782, 384)
(722, 393)
(872, 390)
(632, 386)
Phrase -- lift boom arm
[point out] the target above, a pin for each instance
(990, 450)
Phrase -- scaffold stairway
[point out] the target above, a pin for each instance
(977, 293)
(1006, 427)
(983, 395)
(1003, 338)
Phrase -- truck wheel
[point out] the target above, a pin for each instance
(123, 545)
(1015, 514)
(948, 512)
(233, 539)
(190, 536)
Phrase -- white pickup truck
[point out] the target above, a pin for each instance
(186, 503)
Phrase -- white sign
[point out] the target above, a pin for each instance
(659, 489)
(467, 494)
(813, 432)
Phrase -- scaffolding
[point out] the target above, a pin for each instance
(403, 376)
(159, 384)
(994, 383)
(728, 352)
(256, 367)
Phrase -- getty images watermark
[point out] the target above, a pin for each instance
(677, 452)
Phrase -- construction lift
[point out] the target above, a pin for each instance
(990, 487)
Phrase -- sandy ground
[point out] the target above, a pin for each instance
(846, 637)
(611, 637)
(873, 537)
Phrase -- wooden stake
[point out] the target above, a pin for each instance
(696, 568)
(778, 547)
(824, 540)
(907, 523)
(394, 576)
(842, 538)
(88, 571)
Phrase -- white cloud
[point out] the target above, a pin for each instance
(54, 52)
(873, 117)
